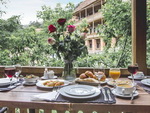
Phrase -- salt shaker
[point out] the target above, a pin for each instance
(50, 74)
(45, 74)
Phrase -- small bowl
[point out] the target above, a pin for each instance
(31, 78)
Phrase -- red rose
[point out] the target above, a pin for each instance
(51, 41)
(61, 21)
(51, 28)
(71, 28)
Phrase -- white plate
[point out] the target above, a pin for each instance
(130, 77)
(111, 83)
(146, 82)
(91, 83)
(48, 78)
(79, 90)
(97, 92)
(40, 83)
(6, 81)
(124, 96)
(29, 83)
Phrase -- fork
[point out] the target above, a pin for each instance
(56, 89)
(103, 91)
(109, 97)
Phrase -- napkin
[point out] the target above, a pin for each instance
(8, 87)
(50, 96)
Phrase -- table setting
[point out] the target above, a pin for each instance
(87, 88)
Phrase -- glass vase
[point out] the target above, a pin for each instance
(69, 73)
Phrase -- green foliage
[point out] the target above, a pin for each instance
(148, 32)
(117, 16)
(29, 47)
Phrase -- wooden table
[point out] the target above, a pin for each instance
(20, 98)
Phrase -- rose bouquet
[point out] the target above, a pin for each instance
(68, 43)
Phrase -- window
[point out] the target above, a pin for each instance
(97, 43)
(90, 43)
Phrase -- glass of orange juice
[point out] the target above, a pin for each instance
(114, 73)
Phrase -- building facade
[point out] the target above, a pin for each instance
(90, 10)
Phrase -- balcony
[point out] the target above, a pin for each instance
(91, 18)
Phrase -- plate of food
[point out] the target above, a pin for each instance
(89, 78)
(31, 78)
(52, 83)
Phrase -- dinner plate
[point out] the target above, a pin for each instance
(146, 82)
(124, 96)
(48, 78)
(40, 83)
(137, 78)
(79, 90)
(63, 93)
(91, 83)
(6, 81)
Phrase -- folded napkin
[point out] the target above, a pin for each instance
(55, 97)
(8, 87)
(50, 96)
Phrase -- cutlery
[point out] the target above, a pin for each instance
(104, 93)
(56, 89)
(132, 96)
(109, 97)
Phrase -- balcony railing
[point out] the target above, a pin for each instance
(91, 18)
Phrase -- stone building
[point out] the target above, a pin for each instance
(89, 9)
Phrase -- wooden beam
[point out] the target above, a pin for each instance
(139, 34)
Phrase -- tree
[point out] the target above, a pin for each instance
(117, 17)
(3, 2)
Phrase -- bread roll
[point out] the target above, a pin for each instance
(89, 74)
(82, 76)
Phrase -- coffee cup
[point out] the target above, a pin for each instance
(125, 89)
(139, 75)
(50, 74)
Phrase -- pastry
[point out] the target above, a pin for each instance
(89, 74)
(82, 76)
(88, 80)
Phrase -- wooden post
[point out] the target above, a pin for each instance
(139, 34)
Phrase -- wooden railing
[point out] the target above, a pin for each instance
(38, 70)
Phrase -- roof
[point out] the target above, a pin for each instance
(83, 5)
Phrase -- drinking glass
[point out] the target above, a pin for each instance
(18, 70)
(99, 73)
(133, 69)
(114, 73)
(10, 72)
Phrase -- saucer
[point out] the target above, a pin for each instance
(29, 83)
(48, 78)
(124, 96)
(137, 78)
